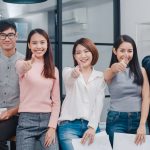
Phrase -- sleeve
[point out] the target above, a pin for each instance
(98, 106)
(67, 78)
(55, 96)
(20, 67)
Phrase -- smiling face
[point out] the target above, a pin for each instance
(124, 52)
(8, 39)
(83, 56)
(38, 45)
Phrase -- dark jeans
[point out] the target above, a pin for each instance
(122, 122)
(7, 130)
(3, 145)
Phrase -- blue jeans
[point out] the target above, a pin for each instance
(122, 122)
(68, 130)
(32, 127)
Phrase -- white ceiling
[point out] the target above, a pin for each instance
(8, 10)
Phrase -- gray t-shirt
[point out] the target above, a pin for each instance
(125, 95)
(9, 84)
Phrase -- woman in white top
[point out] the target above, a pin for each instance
(81, 109)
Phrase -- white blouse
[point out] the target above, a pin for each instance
(83, 100)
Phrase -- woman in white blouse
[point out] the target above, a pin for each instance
(82, 106)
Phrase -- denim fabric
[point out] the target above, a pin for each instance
(8, 128)
(122, 122)
(68, 130)
(3, 145)
(32, 127)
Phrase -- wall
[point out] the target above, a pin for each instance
(135, 21)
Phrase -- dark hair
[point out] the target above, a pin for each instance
(87, 43)
(49, 68)
(134, 63)
(146, 65)
(6, 24)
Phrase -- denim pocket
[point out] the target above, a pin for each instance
(112, 116)
(22, 120)
(62, 123)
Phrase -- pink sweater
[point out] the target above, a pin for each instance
(39, 94)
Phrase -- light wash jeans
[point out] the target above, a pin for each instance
(122, 122)
(68, 130)
(32, 127)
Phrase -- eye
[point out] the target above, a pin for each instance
(43, 42)
(122, 50)
(77, 52)
(130, 50)
(86, 51)
(34, 43)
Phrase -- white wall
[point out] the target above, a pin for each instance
(134, 15)
(99, 24)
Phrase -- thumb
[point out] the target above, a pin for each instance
(32, 58)
(124, 61)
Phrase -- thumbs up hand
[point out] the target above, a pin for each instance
(28, 64)
(119, 66)
(124, 62)
(77, 70)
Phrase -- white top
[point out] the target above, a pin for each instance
(83, 100)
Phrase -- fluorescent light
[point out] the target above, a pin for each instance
(24, 1)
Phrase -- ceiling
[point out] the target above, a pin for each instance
(8, 10)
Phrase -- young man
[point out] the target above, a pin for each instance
(9, 85)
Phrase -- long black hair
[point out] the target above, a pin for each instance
(134, 65)
(49, 68)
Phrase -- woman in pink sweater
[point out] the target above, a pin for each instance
(39, 94)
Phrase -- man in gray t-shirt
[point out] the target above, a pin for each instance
(9, 84)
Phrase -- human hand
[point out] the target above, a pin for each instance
(5, 115)
(124, 61)
(50, 137)
(88, 136)
(27, 65)
(76, 72)
(118, 67)
(140, 136)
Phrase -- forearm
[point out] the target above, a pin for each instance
(67, 76)
(108, 75)
(144, 111)
(13, 111)
(20, 67)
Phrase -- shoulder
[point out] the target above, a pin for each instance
(67, 69)
(99, 74)
(19, 55)
(143, 71)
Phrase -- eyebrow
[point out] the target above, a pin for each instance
(7, 33)
(128, 49)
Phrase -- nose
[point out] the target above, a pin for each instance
(126, 54)
(83, 54)
(38, 45)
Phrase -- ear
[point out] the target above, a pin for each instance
(16, 35)
(114, 51)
